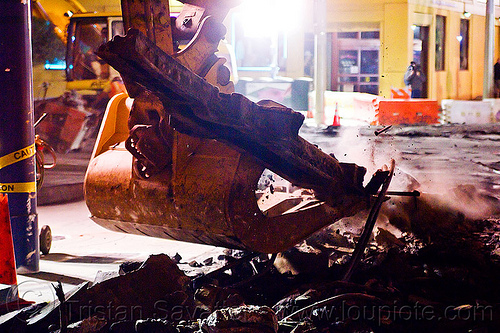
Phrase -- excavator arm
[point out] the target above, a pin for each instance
(187, 163)
(57, 12)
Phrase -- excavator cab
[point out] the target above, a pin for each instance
(86, 32)
(75, 116)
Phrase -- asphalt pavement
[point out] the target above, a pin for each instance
(439, 157)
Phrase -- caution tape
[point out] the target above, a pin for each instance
(17, 156)
(28, 187)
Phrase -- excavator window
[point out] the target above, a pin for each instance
(85, 35)
(117, 28)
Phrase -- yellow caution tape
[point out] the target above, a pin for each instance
(18, 187)
(17, 156)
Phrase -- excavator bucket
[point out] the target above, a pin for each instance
(184, 158)
(207, 195)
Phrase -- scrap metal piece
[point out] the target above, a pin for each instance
(383, 130)
(370, 223)
(413, 193)
(63, 310)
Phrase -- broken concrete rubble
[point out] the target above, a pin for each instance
(145, 326)
(243, 319)
(213, 297)
(153, 289)
(87, 325)
(395, 289)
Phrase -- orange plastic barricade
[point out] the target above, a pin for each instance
(408, 112)
(8, 263)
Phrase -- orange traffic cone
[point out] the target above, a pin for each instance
(336, 118)
(309, 113)
(8, 263)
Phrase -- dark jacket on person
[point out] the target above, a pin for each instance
(415, 78)
(496, 71)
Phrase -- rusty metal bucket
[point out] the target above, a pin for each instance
(206, 196)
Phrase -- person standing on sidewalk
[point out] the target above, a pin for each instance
(496, 78)
(415, 78)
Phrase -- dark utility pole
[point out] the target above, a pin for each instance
(17, 149)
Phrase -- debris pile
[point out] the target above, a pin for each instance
(439, 273)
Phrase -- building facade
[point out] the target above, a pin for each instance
(370, 43)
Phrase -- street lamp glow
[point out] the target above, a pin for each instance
(267, 17)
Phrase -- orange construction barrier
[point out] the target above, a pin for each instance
(408, 112)
(7, 262)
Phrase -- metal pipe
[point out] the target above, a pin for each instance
(320, 59)
(17, 139)
(489, 49)
(413, 193)
(382, 130)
